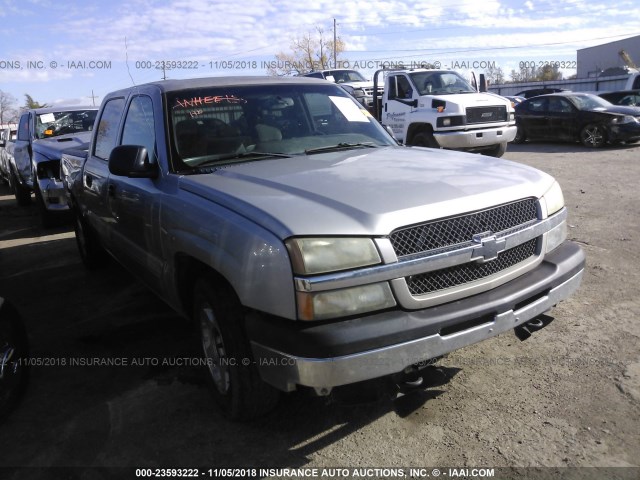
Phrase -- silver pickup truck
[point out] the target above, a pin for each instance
(310, 249)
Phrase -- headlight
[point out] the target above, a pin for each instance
(621, 119)
(344, 302)
(320, 255)
(553, 199)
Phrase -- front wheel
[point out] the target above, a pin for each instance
(91, 252)
(520, 135)
(497, 150)
(593, 136)
(22, 194)
(14, 355)
(424, 139)
(232, 374)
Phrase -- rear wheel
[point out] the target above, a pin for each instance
(593, 136)
(232, 374)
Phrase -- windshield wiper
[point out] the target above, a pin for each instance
(242, 156)
(340, 146)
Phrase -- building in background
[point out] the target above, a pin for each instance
(594, 60)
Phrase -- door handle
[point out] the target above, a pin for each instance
(111, 190)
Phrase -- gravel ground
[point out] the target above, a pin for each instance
(567, 397)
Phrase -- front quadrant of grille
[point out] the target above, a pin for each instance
(440, 234)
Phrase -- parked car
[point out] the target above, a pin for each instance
(536, 92)
(14, 353)
(43, 134)
(515, 100)
(307, 246)
(580, 117)
(628, 98)
(7, 135)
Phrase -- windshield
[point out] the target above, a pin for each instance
(589, 102)
(60, 123)
(343, 76)
(440, 83)
(219, 125)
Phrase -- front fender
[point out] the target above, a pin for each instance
(253, 260)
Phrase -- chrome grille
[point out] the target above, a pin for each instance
(460, 274)
(486, 114)
(454, 231)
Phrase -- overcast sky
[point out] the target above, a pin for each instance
(46, 47)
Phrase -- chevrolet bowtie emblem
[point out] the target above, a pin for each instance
(488, 249)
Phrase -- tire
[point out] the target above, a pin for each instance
(593, 136)
(520, 135)
(236, 386)
(22, 194)
(424, 139)
(91, 252)
(496, 151)
(14, 352)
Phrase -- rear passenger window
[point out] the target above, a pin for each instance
(139, 128)
(107, 133)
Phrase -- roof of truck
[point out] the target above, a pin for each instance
(185, 84)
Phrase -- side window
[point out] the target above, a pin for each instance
(139, 128)
(404, 87)
(23, 127)
(559, 105)
(107, 134)
(537, 105)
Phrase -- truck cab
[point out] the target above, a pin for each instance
(440, 109)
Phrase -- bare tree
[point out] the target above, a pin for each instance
(536, 74)
(494, 75)
(309, 52)
(8, 112)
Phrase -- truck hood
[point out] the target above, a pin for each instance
(53, 147)
(464, 100)
(364, 192)
(358, 84)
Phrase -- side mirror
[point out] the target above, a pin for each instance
(132, 161)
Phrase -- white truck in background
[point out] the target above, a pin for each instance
(352, 81)
(440, 109)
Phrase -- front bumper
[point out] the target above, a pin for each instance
(470, 139)
(337, 353)
(625, 132)
(54, 196)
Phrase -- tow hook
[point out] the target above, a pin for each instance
(525, 330)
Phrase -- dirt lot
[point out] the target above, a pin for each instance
(568, 396)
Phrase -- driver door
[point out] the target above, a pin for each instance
(395, 113)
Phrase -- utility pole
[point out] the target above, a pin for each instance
(93, 98)
(335, 37)
(164, 71)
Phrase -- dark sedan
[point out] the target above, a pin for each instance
(629, 98)
(577, 117)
